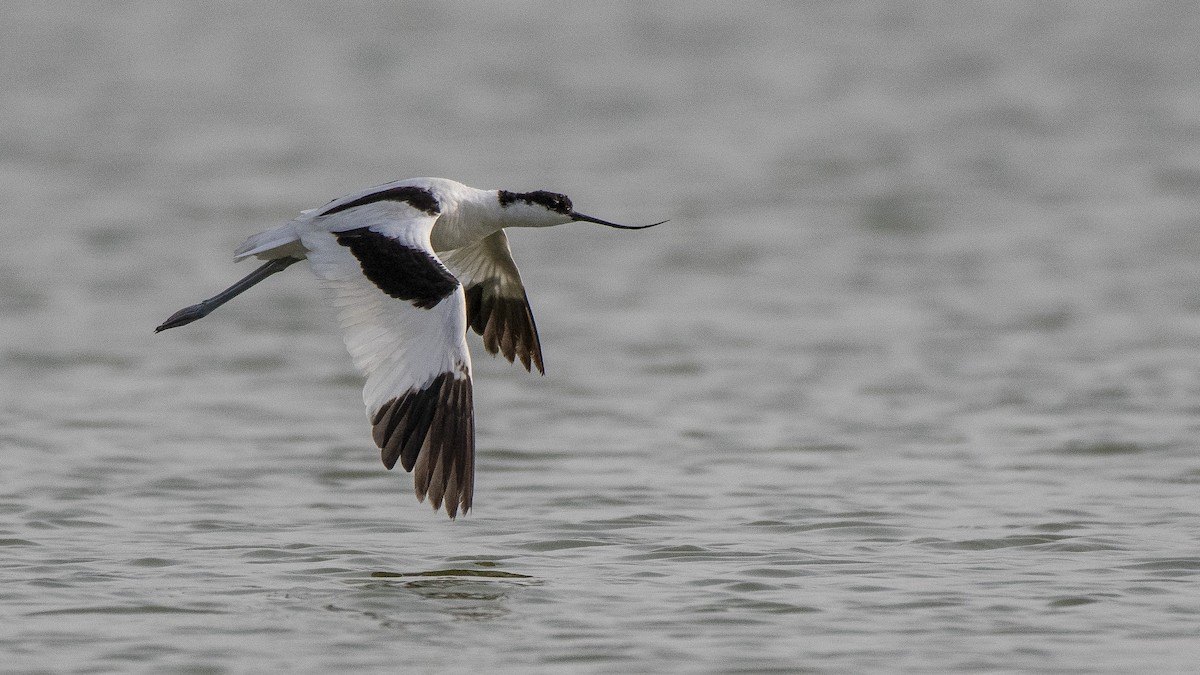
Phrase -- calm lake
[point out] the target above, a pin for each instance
(910, 382)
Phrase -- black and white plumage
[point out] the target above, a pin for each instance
(410, 266)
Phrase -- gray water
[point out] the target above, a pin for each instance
(909, 383)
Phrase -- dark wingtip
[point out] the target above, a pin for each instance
(432, 432)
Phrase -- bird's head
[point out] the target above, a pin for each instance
(543, 209)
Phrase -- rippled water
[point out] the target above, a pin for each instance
(908, 384)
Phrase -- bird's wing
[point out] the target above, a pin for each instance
(372, 206)
(404, 322)
(497, 306)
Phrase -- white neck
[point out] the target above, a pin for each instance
(468, 215)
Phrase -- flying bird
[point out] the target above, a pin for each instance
(410, 266)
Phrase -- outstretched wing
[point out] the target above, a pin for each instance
(497, 307)
(403, 319)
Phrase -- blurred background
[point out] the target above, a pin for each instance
(929, 288)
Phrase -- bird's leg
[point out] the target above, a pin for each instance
(203, 308)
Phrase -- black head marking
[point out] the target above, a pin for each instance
(417, 197)
(400, 271)
(558, 203)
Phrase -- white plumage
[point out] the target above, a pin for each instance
(404, 311)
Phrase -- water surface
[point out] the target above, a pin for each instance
(908, 383)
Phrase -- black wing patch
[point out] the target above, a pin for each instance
(416, 197)
(506, 324)
(432, 430)
(403, 272)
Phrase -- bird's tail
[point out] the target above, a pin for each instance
(281, 241)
